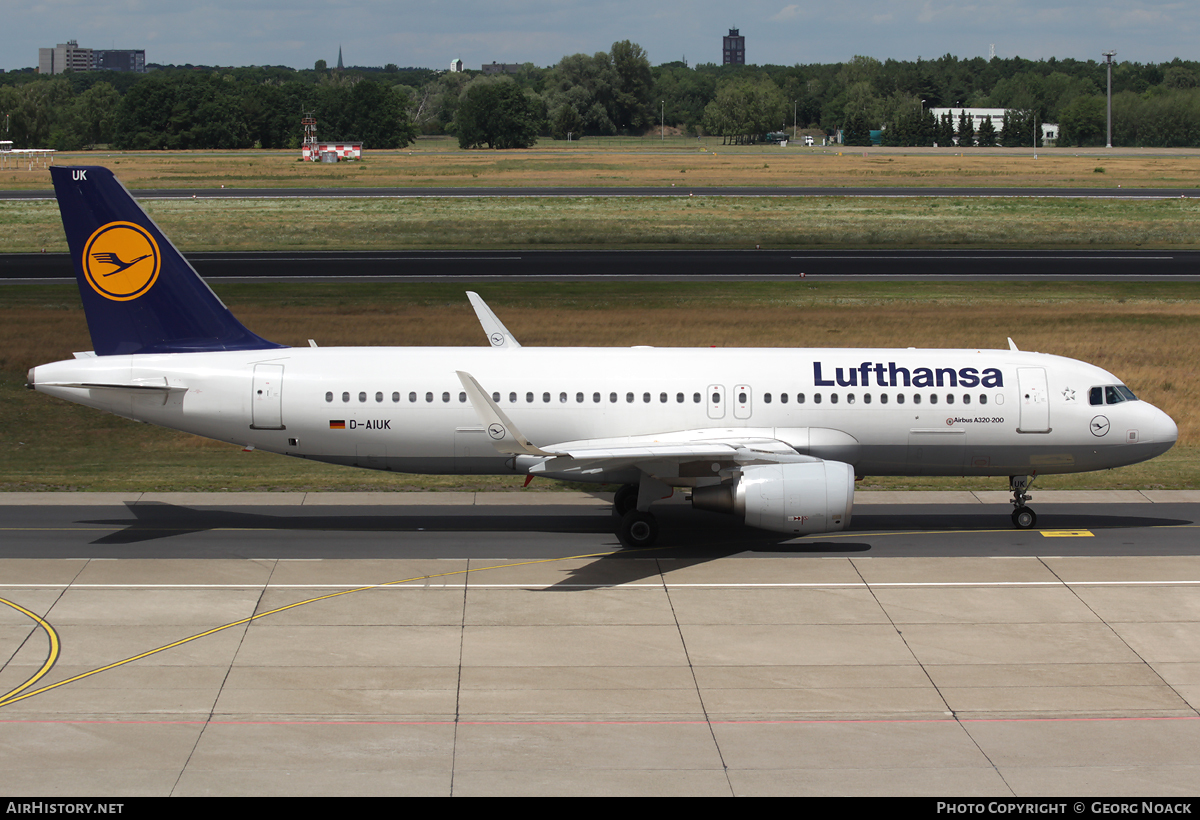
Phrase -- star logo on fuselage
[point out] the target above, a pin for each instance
(1068, 394)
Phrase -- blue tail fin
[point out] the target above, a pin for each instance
(139, 293)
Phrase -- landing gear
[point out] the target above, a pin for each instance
(637, 529)
(625, 500)
(1023, 518)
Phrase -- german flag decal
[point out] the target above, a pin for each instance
(337, 424)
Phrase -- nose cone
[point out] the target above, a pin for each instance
(1163, 428)
(1158, 432)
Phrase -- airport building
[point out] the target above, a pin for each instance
(69, 56)
(978, 115)
(733, 48)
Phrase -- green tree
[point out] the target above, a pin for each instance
(635, 83)
(966, 130)
(498, 113)
(1083, 122)
(744, 110)
(987, 133)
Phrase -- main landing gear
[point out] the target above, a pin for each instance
(1023, 518)
(634, 529)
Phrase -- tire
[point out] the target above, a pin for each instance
(637, 530)
(625, 500)
(1024, 518)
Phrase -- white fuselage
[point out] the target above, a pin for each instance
(886, 412)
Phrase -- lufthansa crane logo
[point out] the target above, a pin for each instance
(121, 261)
(496, 430)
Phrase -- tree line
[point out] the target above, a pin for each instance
(610, 92)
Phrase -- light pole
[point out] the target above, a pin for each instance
(794, 131)
(662, 120)
(1108, 55)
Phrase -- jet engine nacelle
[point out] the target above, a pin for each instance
(794, 498)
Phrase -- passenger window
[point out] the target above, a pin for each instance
(833, 398)
(496, 397)
(646, 398)
(629, 398)
(866, 398)
(445, 396)
(396, 397)
(966, 398)
(329, 396)
(379, 397)
(816, 398)
(362, 396)
(983, 398)
(612, 397)
(596, 398)
(799, 398)
(883, 398)
(899, 398)
(462, 397)
(545, 398)
(849, 398)
(412, 396)
(562, 398)
(916, 398)
(529, 398)
(716, 398)
(767, 398)
(662, 398)
(345, 397)
(679, 398)
(783, 398)
(933, 398)
(695, 398)
(428, 397)
(579, 398)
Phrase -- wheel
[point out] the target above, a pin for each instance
(1024, 518)
(625, 500)
(637, 529)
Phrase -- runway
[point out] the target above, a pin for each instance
(483, 644)
(673, 191)
(649, 265)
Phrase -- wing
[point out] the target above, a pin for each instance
(678, 457)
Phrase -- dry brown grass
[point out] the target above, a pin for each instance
(645, 163)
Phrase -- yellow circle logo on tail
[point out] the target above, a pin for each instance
(121, 261)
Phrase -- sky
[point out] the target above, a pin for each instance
(297, 33)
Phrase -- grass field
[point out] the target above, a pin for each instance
(1146, 333)
(598, 222)
(643, 162)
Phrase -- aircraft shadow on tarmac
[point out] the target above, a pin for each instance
(685, 534)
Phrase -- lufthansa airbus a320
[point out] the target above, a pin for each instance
(774, 436)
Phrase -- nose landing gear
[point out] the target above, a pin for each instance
(1023, 517)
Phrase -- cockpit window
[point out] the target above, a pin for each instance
(1112, 394)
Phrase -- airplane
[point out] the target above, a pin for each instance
(776, 437)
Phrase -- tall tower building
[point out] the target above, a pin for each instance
(734, 48)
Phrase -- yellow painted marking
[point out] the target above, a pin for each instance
(51, 655)
(15, 695)
(1067, 534)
